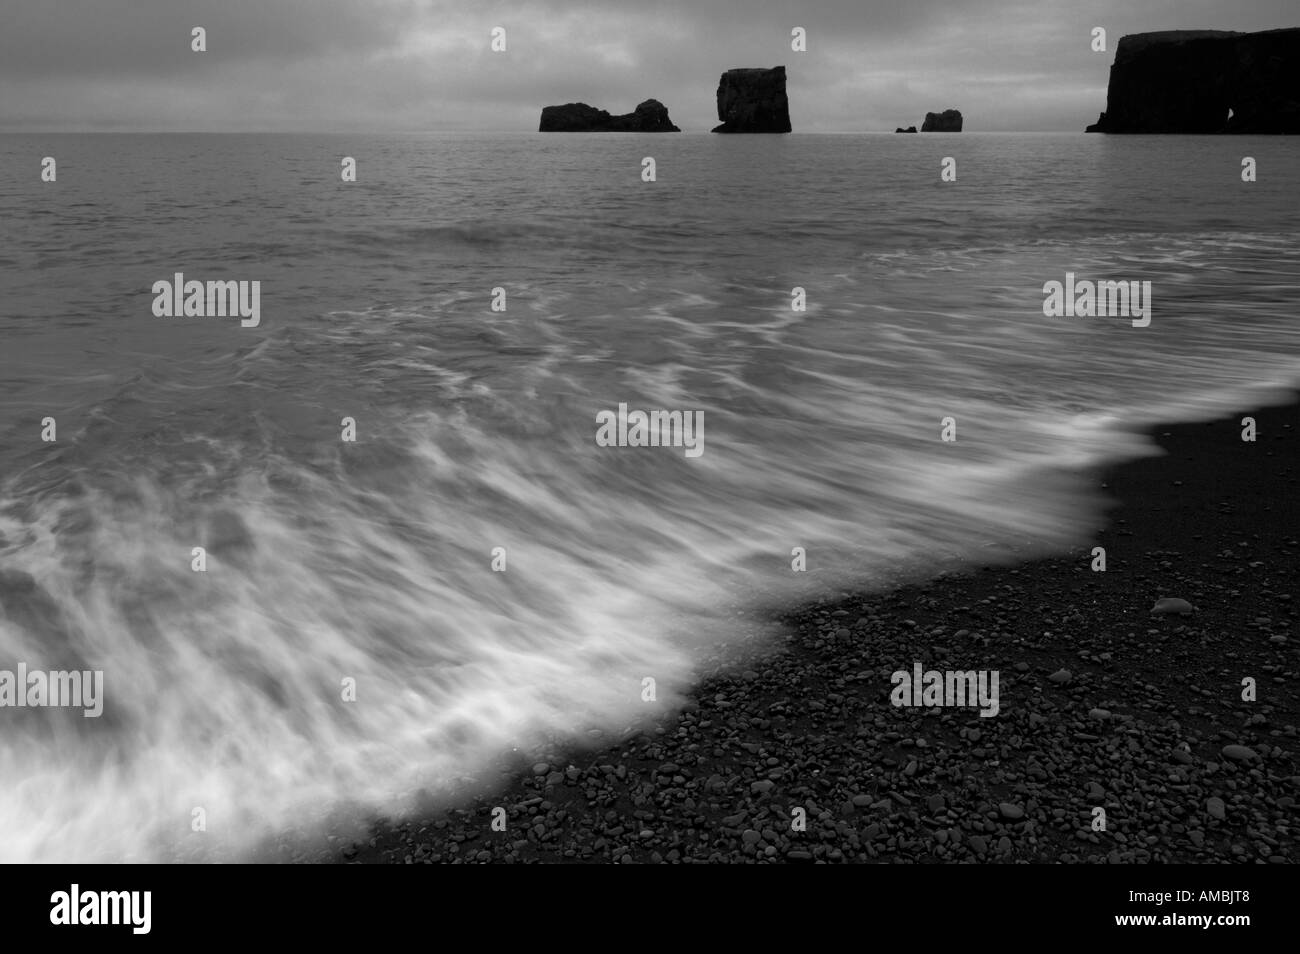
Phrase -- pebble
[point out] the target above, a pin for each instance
(1169, 605)
(1011, 812)
(1239, 753)
(1060, 677)
(1215, 807)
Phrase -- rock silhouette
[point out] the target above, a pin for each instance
(947, 121)
(1204, 81)
(650, 116)
(753, 101)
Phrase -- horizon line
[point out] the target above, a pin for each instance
(519, 132)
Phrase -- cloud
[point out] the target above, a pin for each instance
(373, 65)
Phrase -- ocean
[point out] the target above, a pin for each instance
(475, 576)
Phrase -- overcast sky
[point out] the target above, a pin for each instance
(426, 65)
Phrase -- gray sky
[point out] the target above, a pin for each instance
(378, 65)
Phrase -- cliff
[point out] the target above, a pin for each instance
(650, 116)
(753, 101)
(947, 121)
(1204, 81)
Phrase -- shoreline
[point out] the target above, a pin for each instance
(810, 725)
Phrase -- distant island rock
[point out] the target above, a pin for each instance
(753, 101)
(651, 116)
(1204, 81)
(947, 121)
(907, 130)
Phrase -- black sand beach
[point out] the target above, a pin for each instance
(1149, 726)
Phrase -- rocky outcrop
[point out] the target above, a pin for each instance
(650, 116)
(1204, 81)
(947, 121)
(753, 101)
(908, 129)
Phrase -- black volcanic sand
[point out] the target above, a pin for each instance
(1149, 724)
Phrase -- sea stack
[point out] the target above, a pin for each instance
(909, 129)
(650, 116)
(753, 101)
(947, 121)
(1204, 81)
